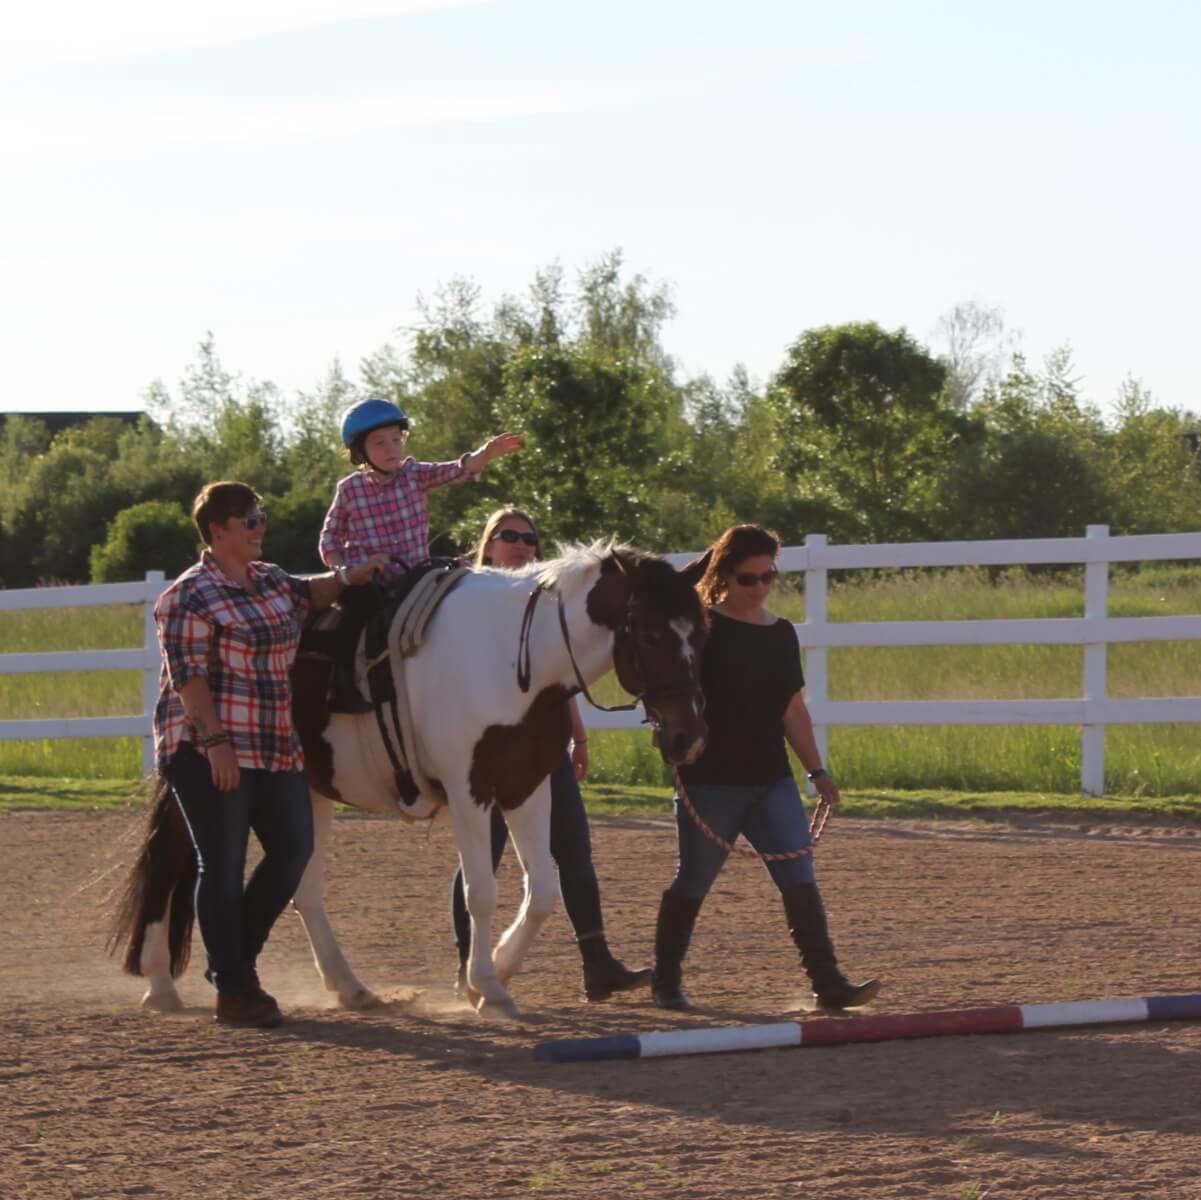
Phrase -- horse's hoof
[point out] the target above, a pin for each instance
(163, 1002)
(502, 1010)
(361, 1000)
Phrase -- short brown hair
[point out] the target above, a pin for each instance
(217, 502)
(357, 450)
(479, 555)
(738, 543)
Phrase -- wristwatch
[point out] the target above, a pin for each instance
(820, 773)
(340, 574)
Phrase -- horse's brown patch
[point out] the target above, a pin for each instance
(509, 761)
(310, 714)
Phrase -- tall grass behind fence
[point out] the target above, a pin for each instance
(1152, 760)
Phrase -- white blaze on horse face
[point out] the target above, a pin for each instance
(683, 630)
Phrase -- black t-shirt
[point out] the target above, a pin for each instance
(749, 674)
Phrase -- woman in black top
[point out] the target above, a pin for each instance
(743, 783)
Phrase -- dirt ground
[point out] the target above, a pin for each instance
(422, 1098)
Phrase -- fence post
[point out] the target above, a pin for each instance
(154, 585)
(1096, 608)
(816, 657)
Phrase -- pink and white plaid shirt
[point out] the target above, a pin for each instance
(243, 642)
(374, 514)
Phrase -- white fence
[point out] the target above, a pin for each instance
(1095, 631)
(145, 659)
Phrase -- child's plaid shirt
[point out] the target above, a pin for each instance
(374, 514)
(243, 642)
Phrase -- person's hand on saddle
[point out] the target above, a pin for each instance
(497, 447)
(365, 571)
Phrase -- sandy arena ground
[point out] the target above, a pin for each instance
(422, 1098)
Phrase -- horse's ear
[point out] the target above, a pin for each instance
(694, 570)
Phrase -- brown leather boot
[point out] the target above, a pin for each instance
(255, 1009)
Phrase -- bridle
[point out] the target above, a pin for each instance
(643, 692)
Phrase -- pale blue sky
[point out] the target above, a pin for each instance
(291, 176)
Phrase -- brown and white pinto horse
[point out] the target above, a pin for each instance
(483, 740)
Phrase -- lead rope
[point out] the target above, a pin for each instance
(821, 814)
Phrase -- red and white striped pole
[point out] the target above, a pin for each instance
(836, 1031)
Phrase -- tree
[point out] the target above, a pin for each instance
(978, 345)
(154, 535)
(594, 432)
(1039, 468)
(864, 430)
(1152, 469)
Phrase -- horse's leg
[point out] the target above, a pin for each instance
(309, 902)
(473, 832)
(529, 825)
(155, 964)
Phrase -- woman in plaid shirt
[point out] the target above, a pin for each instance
(228, 630)
(382, 509)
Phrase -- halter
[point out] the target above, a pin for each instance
(645, 695)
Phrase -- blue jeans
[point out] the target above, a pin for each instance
(570, 847)
(771, 816)
(235, 921)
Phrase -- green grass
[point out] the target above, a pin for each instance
(43, 792)
(1141, 761)
(48, 792)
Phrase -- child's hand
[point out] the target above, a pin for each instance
(502, 444)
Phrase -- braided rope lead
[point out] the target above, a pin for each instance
(821, 814)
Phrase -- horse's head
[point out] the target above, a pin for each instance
(659, 629)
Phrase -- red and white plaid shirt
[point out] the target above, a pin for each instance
(376, 514)
(243, 642)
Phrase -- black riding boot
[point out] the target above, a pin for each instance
(357, 604)
(673, 932)
(604, 974)
(344, 694)
(807, 922)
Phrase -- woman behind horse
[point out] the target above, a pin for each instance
(510, 541)
(228, 629)
(742, 783)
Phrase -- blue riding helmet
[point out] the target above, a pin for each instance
(369, 415)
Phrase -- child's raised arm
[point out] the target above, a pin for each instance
(502, 444)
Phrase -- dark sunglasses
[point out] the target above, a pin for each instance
(513, 537)
(253, 520)
(746, 579)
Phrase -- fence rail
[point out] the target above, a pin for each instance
(1092, 711)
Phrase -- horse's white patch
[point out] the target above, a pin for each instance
(683, 630)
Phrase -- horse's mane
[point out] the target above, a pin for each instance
(574, 565)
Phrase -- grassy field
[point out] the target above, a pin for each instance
(1142, 761)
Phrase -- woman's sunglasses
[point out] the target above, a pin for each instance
(513, 537)
(253, 520)
(746, 579)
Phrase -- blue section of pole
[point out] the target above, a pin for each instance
(589, 1049)
(1174, 1008)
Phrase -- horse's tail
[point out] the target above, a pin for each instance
(164, 875)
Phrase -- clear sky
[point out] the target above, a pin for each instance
(290, 175)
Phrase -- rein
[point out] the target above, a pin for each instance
(524, 668)
(821, 814)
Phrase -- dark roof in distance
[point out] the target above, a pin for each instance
(56, 422)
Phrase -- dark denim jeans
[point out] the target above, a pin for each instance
(772, 817)
(570, 847)
(235, 920)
